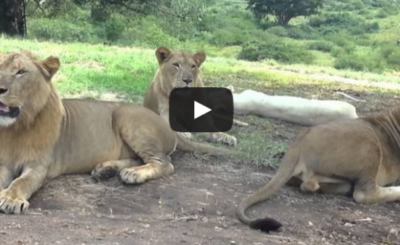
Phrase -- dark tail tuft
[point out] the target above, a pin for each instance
(265, 225)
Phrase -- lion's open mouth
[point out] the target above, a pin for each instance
(7, 111)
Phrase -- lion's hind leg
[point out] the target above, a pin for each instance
(376, 194)
(311, 185)
(157, 163)
(109, 169)
(326, 185)
(344, 188)
(150, 138)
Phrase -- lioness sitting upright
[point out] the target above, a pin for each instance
(177, 70)
(42, 137)
(356, 156)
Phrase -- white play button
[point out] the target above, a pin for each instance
(200, 110)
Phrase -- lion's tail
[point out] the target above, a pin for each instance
(285, 172)
(190, 146)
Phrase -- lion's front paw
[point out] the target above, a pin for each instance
(224, 138)
(12, 204)
(153, 170)
(186, 135)
(137, 175)
(104, 172)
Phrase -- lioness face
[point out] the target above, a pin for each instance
(179, 69)
(24, 86)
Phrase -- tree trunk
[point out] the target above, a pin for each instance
(12, 17)
(283, 20)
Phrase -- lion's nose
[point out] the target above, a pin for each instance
(3, 90)
(187, 80)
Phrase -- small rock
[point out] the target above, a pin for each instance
(130, 232)
(219, 213)
(218, 229)
(233, 242)
(348, 225)
(204, 219)
(393, 233)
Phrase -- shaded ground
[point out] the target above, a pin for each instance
(197, 204)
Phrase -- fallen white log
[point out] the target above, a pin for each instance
(297, 110)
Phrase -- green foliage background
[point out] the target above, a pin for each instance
(346, 34)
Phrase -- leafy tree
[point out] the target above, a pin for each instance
(283, 10)
(12, 17)
(125, 6)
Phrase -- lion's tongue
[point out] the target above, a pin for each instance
(4, 108)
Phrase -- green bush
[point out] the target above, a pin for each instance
(331, 23)
(386, 12)
(364, 12)
(323, 46)
(337, 51)
(295, 32)
(278, 31)
(146, 33)
(228, 36)
(61, 30)
(382, 14)
(228, 25)
(274, 49)
(302, 32)
(369, 62)
(393, 60)
(391, 54)
(342, 40)
(363, 40)
(114, 28)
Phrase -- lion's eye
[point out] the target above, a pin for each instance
(21, 72)
(194, 66)
(177, 65)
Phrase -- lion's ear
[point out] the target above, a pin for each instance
(199, 57)
(51, 65)
(162, 54)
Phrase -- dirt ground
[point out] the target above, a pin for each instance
(197, 205)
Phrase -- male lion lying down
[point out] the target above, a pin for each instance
(359, 157)
(42, 137)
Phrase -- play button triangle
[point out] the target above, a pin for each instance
(200, 110)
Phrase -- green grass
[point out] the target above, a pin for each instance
(129, 70)
(93, 67)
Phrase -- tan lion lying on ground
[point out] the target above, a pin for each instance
(42, 137)
(359, 157)
(177, 70)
